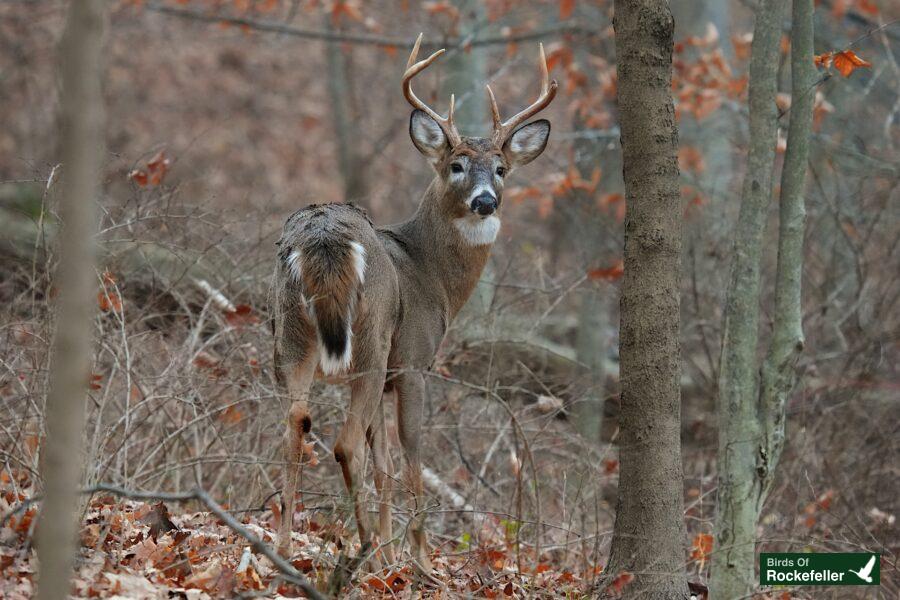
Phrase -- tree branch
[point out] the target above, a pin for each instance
(364, 38)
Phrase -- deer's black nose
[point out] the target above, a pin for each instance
(484, 204)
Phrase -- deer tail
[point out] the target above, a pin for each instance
(330, 272)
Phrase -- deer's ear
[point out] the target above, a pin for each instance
(427, 136)
(527, 143)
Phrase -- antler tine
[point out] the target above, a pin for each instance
(495, 112)
(548, 91)
(413, 68)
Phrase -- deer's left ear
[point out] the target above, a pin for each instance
(527, 143)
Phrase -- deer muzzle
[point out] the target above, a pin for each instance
(484, 204)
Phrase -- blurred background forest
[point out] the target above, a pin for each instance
(223, 117)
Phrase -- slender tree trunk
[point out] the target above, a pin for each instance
(81, 120)
(581, 217)
(464, 75)
(751, 416)
(779, 373)
(339, 90)
(649, 533)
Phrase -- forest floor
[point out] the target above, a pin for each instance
(133, 549)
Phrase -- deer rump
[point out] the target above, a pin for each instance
(321, 254)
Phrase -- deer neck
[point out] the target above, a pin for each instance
(449, 257)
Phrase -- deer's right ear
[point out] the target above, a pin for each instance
(427, 136)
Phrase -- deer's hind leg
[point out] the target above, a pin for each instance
(295, 379)
(383, 470)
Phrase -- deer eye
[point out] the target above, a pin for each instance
(456, 167)
(501, 171)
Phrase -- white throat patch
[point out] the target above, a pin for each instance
(477, 231)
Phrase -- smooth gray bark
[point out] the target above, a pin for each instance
(649, 533)
(81, 120)
(751, 416)
(779, 373)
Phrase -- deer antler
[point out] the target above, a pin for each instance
(413, 68)
(503, 129)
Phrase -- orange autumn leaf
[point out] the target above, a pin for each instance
(559, 54)
(610, 466)
(345, 8)
(241, 316)
(437, 8)
(621, 581)
(824, 501)
(701, 547)
(545, 206)
(611, 273)
(309, 451)
(691, 159)
(867, 6)
(565, 577)
(231, 415)
(847, 61)
(139, 176)
(109, 301)
(154, 173)
(393, 582)
(95, 382)
(741, 44)
(735, 88)
(823, 60)
(520, 194)
(839, 8)
(608, 200)
(157, 167)
(566, 8)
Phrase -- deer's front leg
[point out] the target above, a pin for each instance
(410, 412)
(367, 384)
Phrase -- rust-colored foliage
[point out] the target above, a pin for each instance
(845, 61)
(154, 173)
(701, 547)
(621, 581)
(611, 273)
(241, 316)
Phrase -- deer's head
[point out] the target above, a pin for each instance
(471, 170)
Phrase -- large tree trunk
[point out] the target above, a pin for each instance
(81, 120)
(751, 417)
(649, 533)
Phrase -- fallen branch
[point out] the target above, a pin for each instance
(288, 572)
(438, 485)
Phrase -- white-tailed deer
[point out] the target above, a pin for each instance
(365, 303)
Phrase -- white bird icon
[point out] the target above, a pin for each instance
(865, 572)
